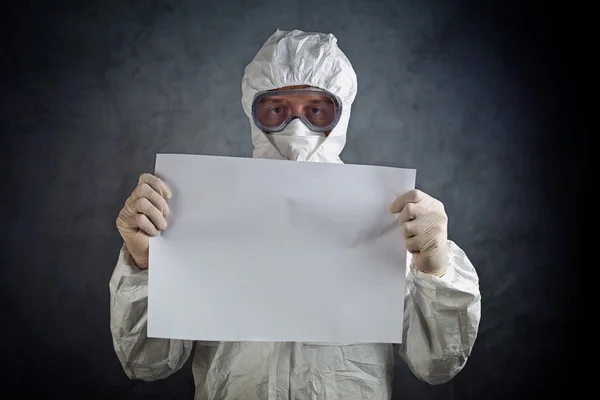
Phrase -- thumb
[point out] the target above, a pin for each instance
(412, 196)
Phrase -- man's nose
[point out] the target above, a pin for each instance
(297, 109)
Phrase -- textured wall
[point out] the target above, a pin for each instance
(476, 98)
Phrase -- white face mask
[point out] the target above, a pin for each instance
(296, 142)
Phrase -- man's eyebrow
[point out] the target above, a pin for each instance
(272, 100)
(320, 101)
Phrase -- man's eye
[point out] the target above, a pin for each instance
(316, 110)
(276, 110)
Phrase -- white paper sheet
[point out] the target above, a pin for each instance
(270, 250)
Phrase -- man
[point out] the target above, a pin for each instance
(297, 93)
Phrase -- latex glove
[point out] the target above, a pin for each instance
(425, 226)
(143, 215)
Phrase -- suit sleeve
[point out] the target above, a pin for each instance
(441, 318)
(141, 357)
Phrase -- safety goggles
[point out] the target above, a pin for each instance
(318, 109)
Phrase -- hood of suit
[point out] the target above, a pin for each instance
(294, 58)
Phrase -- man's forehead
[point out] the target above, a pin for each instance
(308, 96)
(312, 98)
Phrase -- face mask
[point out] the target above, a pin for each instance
(296, 142)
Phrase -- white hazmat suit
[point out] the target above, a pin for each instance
(441, 315)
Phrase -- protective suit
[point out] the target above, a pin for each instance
(441, 315)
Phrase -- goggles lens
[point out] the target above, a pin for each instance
(318, 109)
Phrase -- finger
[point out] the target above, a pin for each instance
(145, 225)
(410, 212)
(144, 206)
(412, 196)
(156, 183)
(146, 191)
(411, 229)
(412, 244)
(413, 211)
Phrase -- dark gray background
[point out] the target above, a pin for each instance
(482, 98)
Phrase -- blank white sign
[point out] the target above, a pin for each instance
(271, 250)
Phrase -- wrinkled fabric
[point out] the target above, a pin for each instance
(441, 315)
